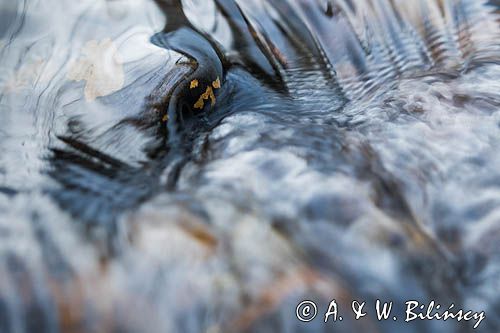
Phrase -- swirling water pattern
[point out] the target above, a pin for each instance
(351, 152)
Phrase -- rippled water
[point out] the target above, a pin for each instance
(204, 166)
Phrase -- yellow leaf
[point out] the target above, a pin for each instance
(216, 83)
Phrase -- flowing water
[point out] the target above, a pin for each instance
(205, 165)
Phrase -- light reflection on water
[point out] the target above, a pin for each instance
(373, 174)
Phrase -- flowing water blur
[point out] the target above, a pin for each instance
(203, 166)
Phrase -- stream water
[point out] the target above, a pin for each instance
(206, 165)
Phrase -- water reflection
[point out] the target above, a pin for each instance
(187, 166)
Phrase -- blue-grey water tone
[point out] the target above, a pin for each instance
(206, 165)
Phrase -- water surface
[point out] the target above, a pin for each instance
(202, 166)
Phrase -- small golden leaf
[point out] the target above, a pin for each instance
(212, 97)
(209, 93)
(216, 83)
(199, 104)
